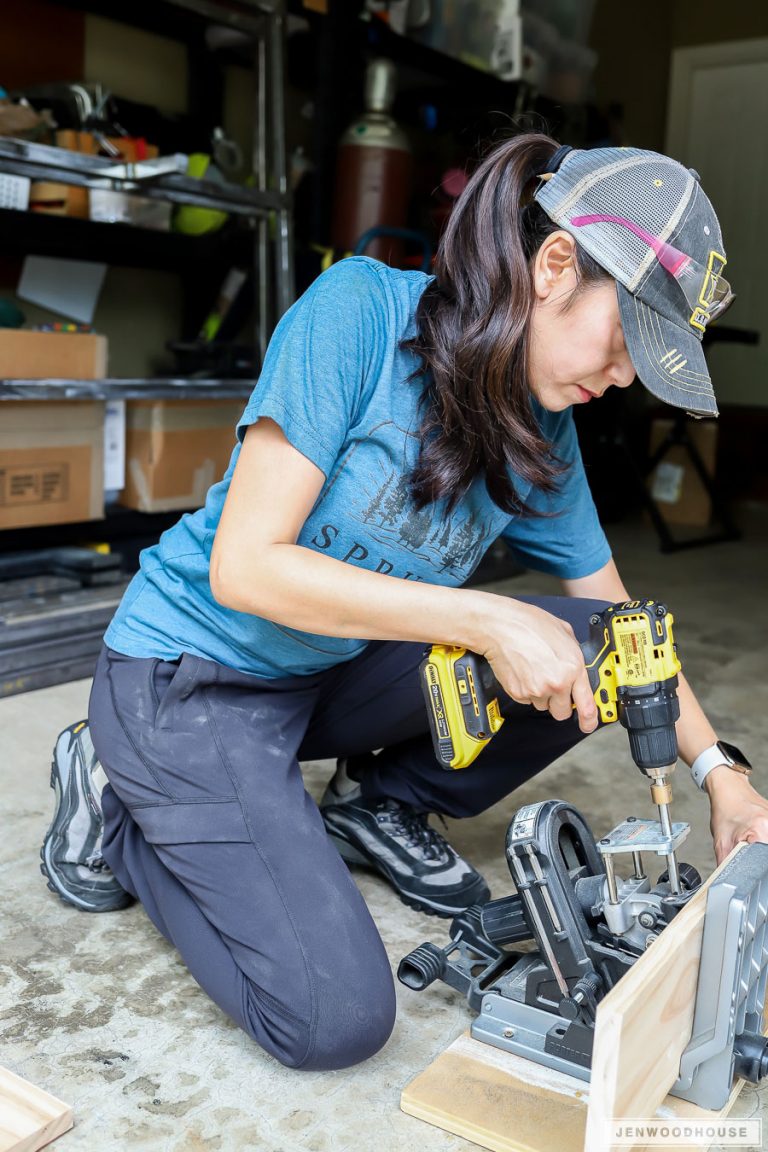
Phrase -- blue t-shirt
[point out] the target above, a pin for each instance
(337, 382)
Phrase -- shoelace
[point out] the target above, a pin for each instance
(96, 862)
(415, 829)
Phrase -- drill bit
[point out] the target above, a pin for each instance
(661, 794)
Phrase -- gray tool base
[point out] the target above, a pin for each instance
(530, 1025)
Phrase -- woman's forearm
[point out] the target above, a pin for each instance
(694, 731)
(258, 567)
(533, 654)
(302, 589)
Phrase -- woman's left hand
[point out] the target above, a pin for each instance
(738, 811)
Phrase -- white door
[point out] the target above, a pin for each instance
(718, 110)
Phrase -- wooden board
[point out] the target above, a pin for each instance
(500, 1100)
(509, 1104)
(644, 1024)
(29, 1117)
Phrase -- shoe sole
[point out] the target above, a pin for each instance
(353, 855)
(46, 863)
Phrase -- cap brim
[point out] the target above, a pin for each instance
(669, 361)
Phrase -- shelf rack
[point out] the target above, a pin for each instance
(266, 205)
(155, 388)
(51, 624)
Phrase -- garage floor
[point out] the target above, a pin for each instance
(99, 1010)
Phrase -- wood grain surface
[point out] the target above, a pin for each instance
(29, 1117)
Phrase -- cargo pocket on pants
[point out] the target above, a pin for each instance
(193, 822)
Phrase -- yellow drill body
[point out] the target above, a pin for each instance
(630, 652)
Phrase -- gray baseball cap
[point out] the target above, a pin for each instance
(645, 219)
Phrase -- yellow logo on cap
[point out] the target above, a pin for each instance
(708, 296)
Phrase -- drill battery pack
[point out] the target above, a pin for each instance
(462, 698)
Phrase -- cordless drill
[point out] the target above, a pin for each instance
(632, 666)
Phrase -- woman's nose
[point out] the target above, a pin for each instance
(622, 371)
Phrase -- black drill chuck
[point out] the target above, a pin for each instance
(649, 714)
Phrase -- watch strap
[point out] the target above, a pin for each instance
(710, 758)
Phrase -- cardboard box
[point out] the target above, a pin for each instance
(50, 198)
(175, 450)
(27, 355)
(675, 484)
(56, 199)
(51, 462)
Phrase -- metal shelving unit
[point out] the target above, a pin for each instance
(55, 597)
(156, 387)
(266, 205)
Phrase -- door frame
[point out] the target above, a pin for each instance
(688, 60)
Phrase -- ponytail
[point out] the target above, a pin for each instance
(473, 325)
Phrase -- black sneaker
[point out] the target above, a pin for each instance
(71, 852)
(397, 841)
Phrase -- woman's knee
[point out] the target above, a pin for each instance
(345, 1026)
(351, 1030)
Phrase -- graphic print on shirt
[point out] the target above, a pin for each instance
(372, 485)
(436, 539)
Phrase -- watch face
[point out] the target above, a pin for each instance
(734, 753)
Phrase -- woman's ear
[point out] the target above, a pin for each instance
(554, 266)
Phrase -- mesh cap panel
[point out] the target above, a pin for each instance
(647, 189)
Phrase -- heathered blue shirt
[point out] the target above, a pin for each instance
(337, 382)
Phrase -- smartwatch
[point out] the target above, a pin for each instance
(720, 753)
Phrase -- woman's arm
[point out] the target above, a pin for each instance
(738, 811)
(257, 567)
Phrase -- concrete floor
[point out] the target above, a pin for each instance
(100, 1011)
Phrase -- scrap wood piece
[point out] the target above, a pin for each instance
(507, 1103)
(29, 1117)
(499, 1100)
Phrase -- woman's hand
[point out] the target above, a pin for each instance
(537, 660)
(738, 811)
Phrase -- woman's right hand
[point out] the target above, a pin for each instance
(537, 660)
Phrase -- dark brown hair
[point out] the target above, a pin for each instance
(473, 324)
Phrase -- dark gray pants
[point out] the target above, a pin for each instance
(208, 824)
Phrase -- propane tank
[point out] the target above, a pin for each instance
(373, 171)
